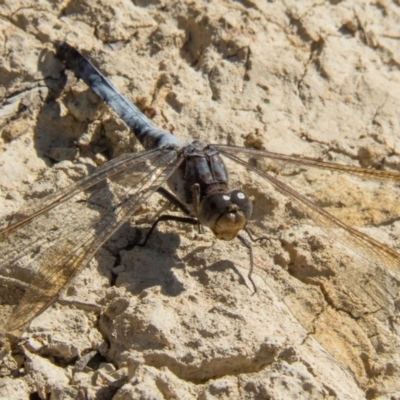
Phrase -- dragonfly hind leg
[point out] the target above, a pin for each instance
(175, 201)
(185, 220)
(182, 206)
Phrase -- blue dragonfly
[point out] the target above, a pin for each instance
(80, 218)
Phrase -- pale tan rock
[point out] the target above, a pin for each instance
(45, 375)
(178, 318)
(13, 388)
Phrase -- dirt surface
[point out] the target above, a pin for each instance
(177, 319)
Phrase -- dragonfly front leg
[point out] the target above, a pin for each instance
(252, 238)
(196, 205)
(249, 246)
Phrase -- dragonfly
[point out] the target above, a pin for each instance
(60, 235)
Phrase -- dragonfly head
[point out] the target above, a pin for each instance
(225, 213)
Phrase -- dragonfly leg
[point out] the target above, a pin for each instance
(182, 206)
(252, 238)
(175, 201)
(248, 245)
(185, 220)
(196, 204)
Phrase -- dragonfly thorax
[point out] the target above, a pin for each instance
(225, 213)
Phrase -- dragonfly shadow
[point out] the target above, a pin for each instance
(152, 265)
(50, 145)
(225, 265)
(219, 267)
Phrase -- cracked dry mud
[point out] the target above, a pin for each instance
(177, 319)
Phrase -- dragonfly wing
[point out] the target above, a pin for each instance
(357, 196)
(17, 241)
(309, 162)
(340, 283)
(363, 244)
(78, 225)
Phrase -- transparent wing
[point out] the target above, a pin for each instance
(61, 237)
(371, 248)
(335, 187)
(339, 282)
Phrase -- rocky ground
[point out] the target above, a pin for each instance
(178, 319)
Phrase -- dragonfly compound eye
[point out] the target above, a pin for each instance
(225, 213)
(242, 201)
